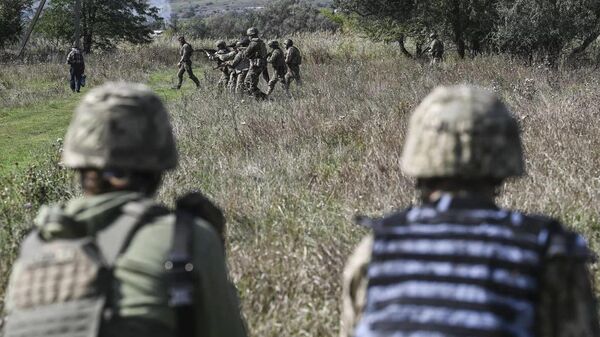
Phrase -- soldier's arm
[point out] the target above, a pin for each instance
(219, 309)
(354, 286)
(70, 58)
(567, 304)
(237, 59)
(288, 56)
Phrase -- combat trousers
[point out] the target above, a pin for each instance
(278, 76)
(293, 73)
(76, 74)
(252, 79)
(187, 67)
(223, 81)
(236, 81)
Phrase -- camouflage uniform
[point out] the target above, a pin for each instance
(421, 266)
(257, 54)
(277, 60)
(293, 59)
(436, 49)
(223, 54)
(125, 127)
(77, 68)
(185, 63)
(240, 65)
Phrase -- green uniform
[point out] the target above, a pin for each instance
(437, 51)
(224, 55)
(277, 61)
(257, 54)
(139, 296)
(293, 59)
(240, 65)
(185, 65)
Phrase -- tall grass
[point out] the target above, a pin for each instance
(290, 173)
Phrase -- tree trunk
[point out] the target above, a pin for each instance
(458, 28)
(585, 44)
(403, 47)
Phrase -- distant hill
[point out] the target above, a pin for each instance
(190, 8)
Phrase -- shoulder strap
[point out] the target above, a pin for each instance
(114, 239)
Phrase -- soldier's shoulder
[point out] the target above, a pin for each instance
(398, 218)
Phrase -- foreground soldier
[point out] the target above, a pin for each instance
(456, 264)
(114, 262)
(77, 68)
(277, 61)
(436, 49)
(185, 63)
(293, 59)
(257, 54)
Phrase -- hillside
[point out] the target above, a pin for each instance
(191, 8)
(291, 173)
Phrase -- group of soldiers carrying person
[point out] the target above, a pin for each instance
(244, 62)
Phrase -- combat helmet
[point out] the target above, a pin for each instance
(462, 132)
(274, 44)
(221, 44)
(433, 36)
(288, 43)
(252, 31)
(120, 126)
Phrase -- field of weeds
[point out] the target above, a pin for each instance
(291, 173)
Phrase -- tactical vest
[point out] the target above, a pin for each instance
(459, 272)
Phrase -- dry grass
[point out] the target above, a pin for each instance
(292, 172)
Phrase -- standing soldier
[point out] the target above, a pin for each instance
(185, 63)
(114, 262)
(277, 60)
(240, 65)
(222, 55)
(456, 264)
(293, 59)
(436, 49)
(77, 67)
(257, 54)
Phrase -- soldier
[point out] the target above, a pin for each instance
(222, 55)
(257, 54)
(293, 59)
(277, 60)
(114, 262)
(240, 65)
(436, 49)
(77, 67)
(185, 63)
(456, 264)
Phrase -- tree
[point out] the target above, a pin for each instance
(103, 22)
(11, 20)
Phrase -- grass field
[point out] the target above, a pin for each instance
(291, 173)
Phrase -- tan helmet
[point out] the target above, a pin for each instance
(464, 132)
(123, 126)
(274, 44)
(221, 44)
(252, 31)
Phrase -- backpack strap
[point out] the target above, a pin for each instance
(114, 239)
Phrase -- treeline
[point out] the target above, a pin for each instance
(539, 30)
(278, 18)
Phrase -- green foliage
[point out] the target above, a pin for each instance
(11, 19)
(278, 18)
(103, 22)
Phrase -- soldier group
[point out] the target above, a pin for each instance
(116, 263)
(243, 63)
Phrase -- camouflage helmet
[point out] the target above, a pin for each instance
(252, 31)
(244, 41)
(120, 126)
(221, 44)
(181, 38)
(288, 42)
(462, 132)
(274, 44)
(433, 36)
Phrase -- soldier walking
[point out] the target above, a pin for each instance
(77, 68)
(293, 59)
(222, 55)
(277, 60)
(114, 262)
(456, 264)
(257, 54)
(240, 65)
(436, 49)
(185, 63)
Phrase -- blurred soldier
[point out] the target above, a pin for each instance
(222, 55)
(185, 63)
(77, 67)
(436, 49)
(240, 65)
(456, 264)
(257, 54)
(293, 59)
(277, 60)
(114, 262)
